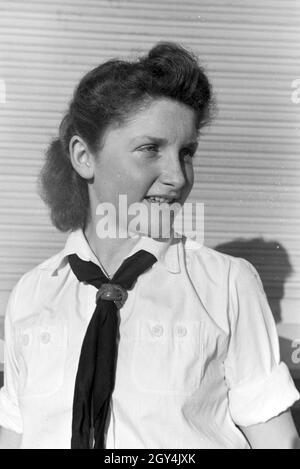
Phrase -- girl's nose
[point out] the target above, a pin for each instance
(173, 173)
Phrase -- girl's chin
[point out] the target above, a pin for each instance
(156, 222)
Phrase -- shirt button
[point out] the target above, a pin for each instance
(25, 339)
(45, 337)
(181, 331)
(157, 331)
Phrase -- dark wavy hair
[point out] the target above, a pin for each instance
(111, 93)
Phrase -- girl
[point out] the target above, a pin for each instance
(143, 340)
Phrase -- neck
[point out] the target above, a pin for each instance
(109, 251)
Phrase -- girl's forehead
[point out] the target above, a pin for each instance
(161, 108)
(161, 116)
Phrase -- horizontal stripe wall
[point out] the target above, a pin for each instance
(247, 168)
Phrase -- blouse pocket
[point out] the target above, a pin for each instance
(42, 355)
(168, 359)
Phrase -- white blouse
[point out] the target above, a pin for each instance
(198, 353)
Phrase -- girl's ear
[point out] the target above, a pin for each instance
(81, 158)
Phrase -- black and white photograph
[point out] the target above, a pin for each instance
(150, 229)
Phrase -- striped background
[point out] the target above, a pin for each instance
(247, 171)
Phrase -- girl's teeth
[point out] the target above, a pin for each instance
(158, 199)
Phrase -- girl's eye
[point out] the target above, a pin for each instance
(185, 152)
(149, 148)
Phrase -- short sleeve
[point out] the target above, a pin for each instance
(10, 416)
(260, 386)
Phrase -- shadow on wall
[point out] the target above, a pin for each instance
(272, 263)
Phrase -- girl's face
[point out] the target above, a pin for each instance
(150, 155)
